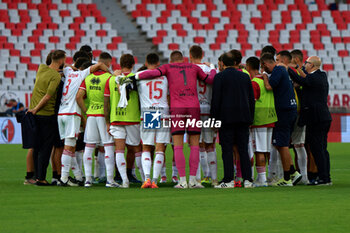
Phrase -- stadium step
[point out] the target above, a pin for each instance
(126, 27)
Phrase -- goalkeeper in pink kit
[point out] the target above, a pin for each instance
(184, 108)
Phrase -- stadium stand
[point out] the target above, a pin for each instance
(220, 25)
(30, 29)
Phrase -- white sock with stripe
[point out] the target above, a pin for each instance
(87, 158)
(121, 164)
(139, 164)
(109, 162)
(146, 164)
(65, 165)
(158, 165)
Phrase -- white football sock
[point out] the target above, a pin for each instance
(139, 164)
(261, 174)
(302, 161)
(158, 165)
(87, 158)
(183, 179)
(79, 157)
(121, 164)
(96, 166)
(272, 163)
(146, 163)
(76, 170)
(174, 171)
(203, 158)
(212, 160)
(199, 173)
(163, 171)
(101, 164)
(66, 164)
(193, 179)
(280, 172)
(109, 162)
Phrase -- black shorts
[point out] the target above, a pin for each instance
(80, 142)
(284, 127)
(57, 141)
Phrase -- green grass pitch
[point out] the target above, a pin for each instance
(274, 209)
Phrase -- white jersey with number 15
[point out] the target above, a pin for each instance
(153, 95)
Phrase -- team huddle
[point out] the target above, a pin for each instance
(107, 109)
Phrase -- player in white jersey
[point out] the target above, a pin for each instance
(153, 96)
(69, 117)
(207, 151)
(96, 129)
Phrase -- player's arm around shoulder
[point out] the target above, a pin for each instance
(267, 82)
(99, 66)
(150, 74)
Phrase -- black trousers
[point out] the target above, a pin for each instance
(229, 135)
(43, 145)
(316, 137)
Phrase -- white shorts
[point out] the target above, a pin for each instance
(207, 134)
(68, 126)
(131, 133)
(96, 131)
(298, 134)
(152, 136)
(261, 139)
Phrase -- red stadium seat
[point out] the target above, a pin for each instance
(33, 67)
(343, 53)
(35, 53)
(54, 39)
(96, 53)
(10, 74)
(25, 60)
(112, 46)
(173, 46)
(15, 53)
(101, 33)
(71, 46)
(328, 67)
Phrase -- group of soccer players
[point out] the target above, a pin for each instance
(105, 110)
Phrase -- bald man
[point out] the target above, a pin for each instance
(315, 115)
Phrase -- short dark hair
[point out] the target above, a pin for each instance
(196, 52)
(285, 53)
(237, 56)
(127, 61)
(80, 61)
(86, 48)
(267, 57)
(105, 56)
(253, 62)
(12, 100)
(79, 54)
(152, 58)
(176, 56)
(269, 49)
(85, 65)
(228, 59)
(221, 56)
(58, 54)
(49, 58)
(297, 53)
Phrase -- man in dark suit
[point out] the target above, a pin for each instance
(233, 103)
(315, 115)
